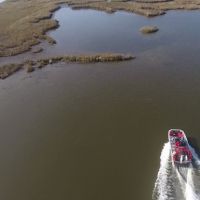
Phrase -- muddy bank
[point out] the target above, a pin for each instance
(29, 22)
(31, 65)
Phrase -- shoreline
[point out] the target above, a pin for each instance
(42, 22)
(30, 65)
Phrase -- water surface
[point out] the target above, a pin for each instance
(83, 31)
(96, 131)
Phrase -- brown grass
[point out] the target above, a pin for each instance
(24, 23)
(149, 29)
(9, 69)
(29, 65)
(30, 69)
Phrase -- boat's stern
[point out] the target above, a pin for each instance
(180, 152)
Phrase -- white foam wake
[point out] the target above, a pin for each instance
(190, 193)
(163, 189)
(177, 183)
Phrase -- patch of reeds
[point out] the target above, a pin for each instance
(31, 65)
(9, 69)
(26, 22)
(149, 29)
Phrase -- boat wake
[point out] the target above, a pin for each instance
(177, 183)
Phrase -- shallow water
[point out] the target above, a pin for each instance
(92, 31)
(96, 131)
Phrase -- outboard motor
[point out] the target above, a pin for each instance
(181, 159)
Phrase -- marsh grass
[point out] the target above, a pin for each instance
(9, 69)
(26, 22)
(149, 29)
(30, 65)
(29, 68)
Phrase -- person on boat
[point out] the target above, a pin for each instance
(178, 143)
(180, 134)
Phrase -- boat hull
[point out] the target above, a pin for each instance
(180, 151)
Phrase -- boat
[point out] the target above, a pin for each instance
(180, 151)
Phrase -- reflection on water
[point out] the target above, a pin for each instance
(95, 131)
(93, 31)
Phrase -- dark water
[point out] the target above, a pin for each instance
(96, 131)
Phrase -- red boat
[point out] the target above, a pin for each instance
(180, 151)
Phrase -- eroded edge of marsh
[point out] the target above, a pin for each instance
(24, 29)
(31, 65)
